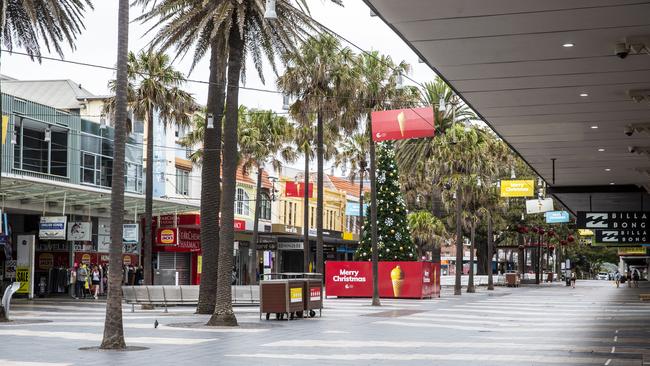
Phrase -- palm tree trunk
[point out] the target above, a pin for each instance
(490, 248)
(252, 264)
(521, 255)
(113, 329)
(470, 281)
(211, 181)
(373, 218)
(223, 313)
(148, 201)
(319, 198)
(305, 214)
(459, 243)
(361, 213)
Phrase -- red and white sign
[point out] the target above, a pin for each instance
(396, 279)
(314, 294)
(297, 189)
(167, 236)
(240, 225)
(399, 124)
(181, 220)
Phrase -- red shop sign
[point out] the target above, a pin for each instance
(402, 124)
(240, 225)
(181, 220)
(167, 236)
(396, 279)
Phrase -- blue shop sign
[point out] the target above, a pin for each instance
(556, 217)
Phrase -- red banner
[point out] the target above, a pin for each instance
(240, 225)
(396, 279)
(402, 124)
(293, 189)
(181, 220)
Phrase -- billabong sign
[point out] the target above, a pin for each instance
(616, 228)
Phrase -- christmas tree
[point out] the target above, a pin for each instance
(393, 236)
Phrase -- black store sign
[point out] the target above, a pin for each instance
(616, 227)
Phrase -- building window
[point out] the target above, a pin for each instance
(242, 202)
(265, 207)
(182, 182)
(33, 153)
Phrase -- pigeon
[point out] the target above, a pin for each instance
(155, 323)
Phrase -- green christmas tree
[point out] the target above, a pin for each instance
(393, 234)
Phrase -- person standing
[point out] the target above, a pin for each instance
(82, 273)
(573, 279)
(636, 276)
(95, 278)
(629, 278)
(617, 278)
(73, 281)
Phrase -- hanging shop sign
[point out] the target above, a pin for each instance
(518, 188)
(399, 124)
(80, 231)
(616, 228)
(632, 251)
(297, 189)
(288, 229)
(556, 217)
(52, 228)
(613, 220)
(539, 206)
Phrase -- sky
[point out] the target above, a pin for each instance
(98, 43)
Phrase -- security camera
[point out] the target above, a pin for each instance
(621, 50)
(631, 149)
(628, 130)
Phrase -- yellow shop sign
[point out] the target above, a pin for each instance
(518, 188)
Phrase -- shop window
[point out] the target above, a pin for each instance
(242, 203)
(182, 182)
(33, 153)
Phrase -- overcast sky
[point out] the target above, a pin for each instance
(97, 45)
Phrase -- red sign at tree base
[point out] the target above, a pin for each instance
(409, 280)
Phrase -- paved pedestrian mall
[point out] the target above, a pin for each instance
(594, 324)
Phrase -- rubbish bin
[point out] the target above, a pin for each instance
(282, 297)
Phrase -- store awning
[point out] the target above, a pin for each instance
(545, 76)
(31, 194)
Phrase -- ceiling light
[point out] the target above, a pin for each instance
(568, 45)
(594, 127)
(608, 170)
(601, 150)
(584, 95)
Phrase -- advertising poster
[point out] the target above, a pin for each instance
(396, 279)
(80, 231)
(402, 124)
(52, 228)
(297, 189)
(25, 264)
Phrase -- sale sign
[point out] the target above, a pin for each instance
(297, 189)
(396, 279)
(402, 124)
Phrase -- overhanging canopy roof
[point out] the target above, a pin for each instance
(506, 59)
(30, 194)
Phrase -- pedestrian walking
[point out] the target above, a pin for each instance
(82, 275)
(573, 279)
(636, 276)
(95, 277)
(629, 278)
(617, 278)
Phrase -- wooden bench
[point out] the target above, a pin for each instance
(644, 297)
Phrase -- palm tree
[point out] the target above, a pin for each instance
(264, 138)
(238, 27)
(28, 23)
(303, 139)
(377, 88)
(113, 329)
(427, 230)
(319, 76)
(353, 151)
(154, 88)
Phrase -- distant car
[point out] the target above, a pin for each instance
(604, 276)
